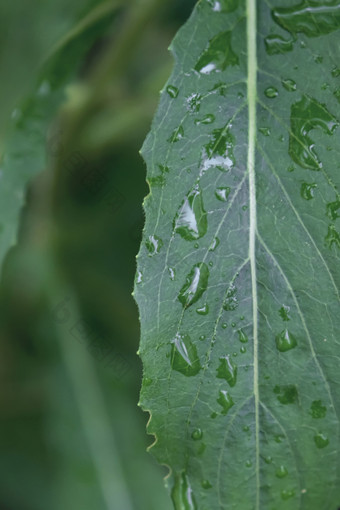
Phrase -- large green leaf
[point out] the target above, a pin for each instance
(238, 275)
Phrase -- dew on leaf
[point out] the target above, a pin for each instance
(332, 237)
(224, 325)
(206, 484)
(246, 428)
(332, 210)
(321, 440)
(139, 277)
(265, 131)
(275, 44)
(172, 91)
(336, 94)
(230, 303)
(171, 273)
(271, 92)
(285, 341)
(289, 85)
(233, 324)
(281, 472)
(194, 103)
(317, 410)
(197, 434)
(335, 71)
(191, 219)
(203, 310)
(224, 5)
(207, 119)
(278, 438)
(177, 135)
(243, 350)
(218, 55)
(214, 244)
(202, 337)
(286, 394)
(225, 401)
(227, 370)
(268, 459)
(308, 114)
(284, 313)
(195, 285)
(307, 190)
(287, 494)
(156, 181)
(242, 336)
(182, 495)
(249, 463)
(153, 245)
(184, 356)
(222, 193)
(219, 151)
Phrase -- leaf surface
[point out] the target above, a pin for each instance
(238, 273)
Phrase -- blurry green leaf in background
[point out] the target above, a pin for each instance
(80, 83)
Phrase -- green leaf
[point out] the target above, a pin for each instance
(239, 293)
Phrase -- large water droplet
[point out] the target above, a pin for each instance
(219, 151)
(197, 434)
(153, 245)
(207, 119)
(285, 341)
(222, 193)
(321, 440)
(203, 310)
(214, 244)
(271, 92)
(307, 190)
(191, 219)
(286, 394)
(194, 102)
(332, 210)
(224, 5)
(275, 44)
(317, 410)
(218, 55)
(242, 336)
(225, 401)
(182, 495)
(281, 472)
(227, 370)
(332, 237)
(172, 91)
(308, 114)
(289, 85)
(184, 357)
(284, 313)
(195, 285)
(231, 302)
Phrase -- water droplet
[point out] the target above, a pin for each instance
(310, 18)
(202, 337)
(195, 285)
(246, 428)
(182, 495)
(308, 114)
(214, 244)
(218, 55)
(336, 94)
(191, 219)
(242, 336)
(317, 410)
(139, 277)
(224, 5)
(147, 381)
(194, 102)
(177, 135)
(243, 350)
(286, 394)
(278, 438)
(307, 190)
(332, 210)
(206, 484)
(281, 472)
(227, 370)
(225, 401)
(172, 273)
(224, 325)
(265, 131)
(284, 313)
(204, 310)
(275, 44)
(222, 193)
(153, 245)
(219, 151)
(271, 92)
(197, 434)
(172, 91)
(290, 168)
(207, 119)
(285, 341)
(289, 85)
(321, 440)
(268, 459)
(335, 72)
(287, 494)
(184, 356)
(332, 237)
(231, 302)
(249, 463)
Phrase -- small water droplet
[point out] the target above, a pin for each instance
(222, 193)
(242, 336)
(202, 337)
(225, 401)
(231, 302)
(268, 459)
(182, 495)
(278, 438)
(317, 410)
(249, 463)
(147, 381)
(191, 219)
(224, 325)
(227, 370)
(287, 494)
(195, 285)
(194, 102)
(271, 92)
(286, 394)
(332, 237)
(224, 5)
(285, 341)
(335, 71)
(218, 54)
(153, 245)
(203, 310)
(321, 440)
(332, 210)
(184, 356)
(139, 277)
(243, 350)
(275, 44)
(336, 94)
(289, 85)
(207, 119)
(197, 434)
(281, 472)
(172, 91)
(172, 273)
(246, 428)
(307, 190)
(265, 131)
(214, 244)
(206, 484)
(177, 135)
(219, 151)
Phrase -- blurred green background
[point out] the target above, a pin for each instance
(80, 84)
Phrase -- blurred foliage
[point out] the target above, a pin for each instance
(79, 88)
